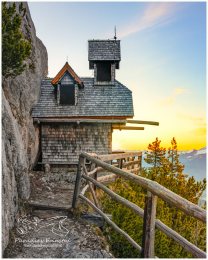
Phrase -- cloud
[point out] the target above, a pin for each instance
(155, 14)
(170, 100)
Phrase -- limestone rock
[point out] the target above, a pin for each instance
(19, 136)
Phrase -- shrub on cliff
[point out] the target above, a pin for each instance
(15, 48)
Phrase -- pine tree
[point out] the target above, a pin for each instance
(15, 48)
(156, 156)
(175, 166)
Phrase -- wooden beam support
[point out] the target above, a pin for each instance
(79, 120)
(142, 122)
(119, 127)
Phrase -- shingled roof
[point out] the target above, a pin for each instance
(104, 101)
(99, 50)
(65, 68)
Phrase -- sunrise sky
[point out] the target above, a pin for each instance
(163, 60)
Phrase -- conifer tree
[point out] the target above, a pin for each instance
(15, 48)
(156, 156)
(175, 166)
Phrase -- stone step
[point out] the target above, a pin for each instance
(48, 213)
(41, 205)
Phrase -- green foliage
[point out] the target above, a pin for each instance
(15, 48)
(187, 187)
(156, 155)
(173, 156)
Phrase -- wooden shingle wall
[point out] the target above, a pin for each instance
(62, 143)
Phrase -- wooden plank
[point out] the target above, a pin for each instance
(110, 222)
(142, 122)
(148, 239)
(127, 127)
(78, 181)
(172, 198)
(110, 157)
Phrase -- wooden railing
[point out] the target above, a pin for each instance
(130, 161)
(154, 190)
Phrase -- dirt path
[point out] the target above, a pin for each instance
(52, 234)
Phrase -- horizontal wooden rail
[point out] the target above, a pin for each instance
(191, 248)
(170, 197)
(131, 163)
(110, 222)
(110, 157)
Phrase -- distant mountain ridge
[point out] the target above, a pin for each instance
(194, 162)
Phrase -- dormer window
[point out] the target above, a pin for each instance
(67, 85)
(67, 90)
(67, 94)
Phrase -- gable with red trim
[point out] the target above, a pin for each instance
(67, 68)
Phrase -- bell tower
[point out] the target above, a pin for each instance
(104, 57)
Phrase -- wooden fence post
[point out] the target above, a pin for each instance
(140, 163)
(132, 159)
(78, 181)
(120, 163)
(148, 239)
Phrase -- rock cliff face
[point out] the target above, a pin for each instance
(19, 136)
